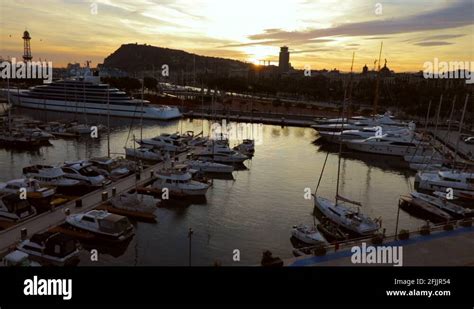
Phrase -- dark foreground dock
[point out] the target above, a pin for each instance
(440, 248)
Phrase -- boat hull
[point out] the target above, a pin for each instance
(389, 150)
(158, 113)
(322, 210)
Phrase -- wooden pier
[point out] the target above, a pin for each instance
(52, 219)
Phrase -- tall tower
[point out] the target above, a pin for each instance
(26, 47)
(284, 60)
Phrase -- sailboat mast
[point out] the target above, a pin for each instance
(376, 97)
(202, 107)
(460, 128)
(9, 107)
(437, 115)
(451, 118)
(141, 114)
(108, 122)
(342, 128)
(427, 116)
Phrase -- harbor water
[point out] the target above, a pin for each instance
(253, 212)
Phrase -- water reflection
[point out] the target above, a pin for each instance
(253, 211)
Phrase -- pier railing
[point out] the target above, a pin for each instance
(381, 238)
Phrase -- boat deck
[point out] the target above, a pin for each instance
(10, 236)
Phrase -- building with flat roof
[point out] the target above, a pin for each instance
(284, 60)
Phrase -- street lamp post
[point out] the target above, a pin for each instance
(190, 234)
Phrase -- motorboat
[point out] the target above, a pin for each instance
(53, 176)
(209, 167)
(34, 190)
(426, 163)
(145, 153)
(178, 180)
(247, 147)
(364, 133)
(331, 232)
(338, 127)
(51, 248)
(38, 134)
(356, 123)
(221, 154)
(442, 180)
(110, 168)
(131, 202)
(16, 139)
(394, 146)
(426, 210)
(104, 225)
(454, 210)
(14, 209)
(164, 142)
(308, 235)
(84, 171)
(193, 140)
(348, 218)
(84, 128)
(435, 158)
(426, 166)
(18, 258)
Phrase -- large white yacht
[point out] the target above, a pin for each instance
(89, 96)
(355, 123)
(395, 146)
(363, 133)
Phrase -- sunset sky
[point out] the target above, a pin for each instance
(322, 34)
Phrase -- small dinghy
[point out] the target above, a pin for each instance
(308, 235)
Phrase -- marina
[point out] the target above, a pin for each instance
(252, 196)
(270, 152)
